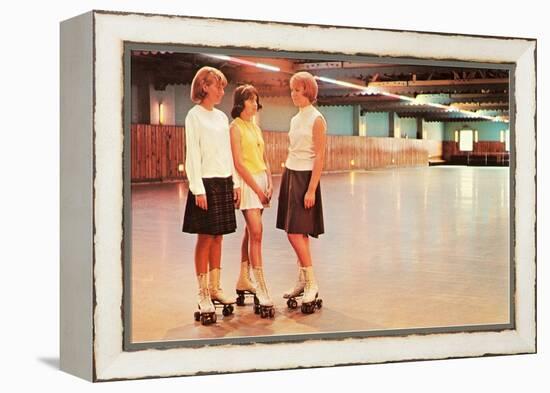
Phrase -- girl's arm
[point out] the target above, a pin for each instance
(193, 161)
(269, 178)
(319, 144)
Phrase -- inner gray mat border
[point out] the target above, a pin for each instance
(512, 191)
(128, 345)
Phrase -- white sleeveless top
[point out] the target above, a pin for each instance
(300, 149)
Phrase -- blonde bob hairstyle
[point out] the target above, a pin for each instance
(309, 84)
(205, 77)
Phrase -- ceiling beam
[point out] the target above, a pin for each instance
(392, 69)
(441, 82)
(404, 107)
(482, 106)
(411, 90)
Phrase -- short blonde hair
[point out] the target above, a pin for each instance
(205, 77)
(308, 82)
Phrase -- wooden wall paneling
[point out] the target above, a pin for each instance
(158, 150)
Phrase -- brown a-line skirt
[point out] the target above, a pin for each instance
(219, 218)
(292, 216)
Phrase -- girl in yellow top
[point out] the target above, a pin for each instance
(248, 149)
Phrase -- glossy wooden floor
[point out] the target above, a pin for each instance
(403, 248)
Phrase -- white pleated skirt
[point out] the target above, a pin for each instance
(249, 199)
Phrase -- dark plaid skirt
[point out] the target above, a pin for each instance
(292, 216)
(219, 218)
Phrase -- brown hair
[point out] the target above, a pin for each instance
(240, 95)
(205, 77)
(308, 82)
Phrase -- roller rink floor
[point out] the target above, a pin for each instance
(403, 249)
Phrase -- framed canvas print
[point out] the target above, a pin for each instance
(246, 195)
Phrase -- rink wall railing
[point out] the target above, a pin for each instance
(158, 152)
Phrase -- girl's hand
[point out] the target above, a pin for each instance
(237, 197)
(263, 198)
(309, 199)
(269, 191)
(200, 201)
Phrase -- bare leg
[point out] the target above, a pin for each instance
(244, 245)
(253, 218)
(254, 225)
(206, 313)
(310, 300)
(244, 284)
(214, 276)
(300, 244)
(202, 253)
(215, 256)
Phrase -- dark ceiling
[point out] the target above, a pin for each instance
(480, 90)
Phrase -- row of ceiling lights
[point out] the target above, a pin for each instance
(364, 89)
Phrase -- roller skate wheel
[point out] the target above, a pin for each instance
(256, 309)
(226, 311)
(209, 318)
(308, 308)
(292, 303)
(271, 313)
(240, 300)
(197, 316)
(319, 303)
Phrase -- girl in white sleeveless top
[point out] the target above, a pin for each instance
(300, 210)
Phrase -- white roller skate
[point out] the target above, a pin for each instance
(206, 312)
(297, 291)
(245, 287)
(310, 300)
(264, 307)
(216, 293)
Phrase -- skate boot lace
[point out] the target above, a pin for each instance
(204, 293)
(262, 292)
(310, 291)
(217, 292)
(204, 299)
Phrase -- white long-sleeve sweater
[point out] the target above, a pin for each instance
(208, 147)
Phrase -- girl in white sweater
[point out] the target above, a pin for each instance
(213, 191)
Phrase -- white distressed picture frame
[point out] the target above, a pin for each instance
(92, 140)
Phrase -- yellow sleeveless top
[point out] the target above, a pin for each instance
(252, 145)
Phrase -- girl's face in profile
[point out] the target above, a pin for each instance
(297, 94)
(250, 106)
(214, 91)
